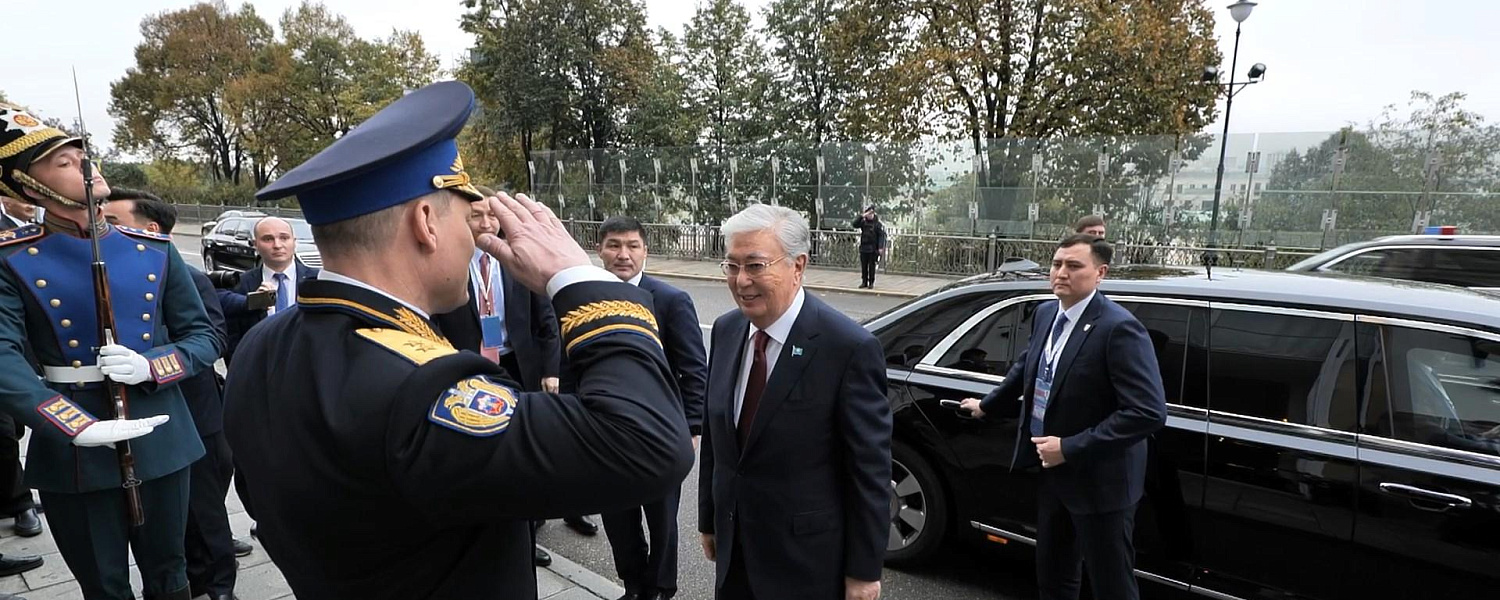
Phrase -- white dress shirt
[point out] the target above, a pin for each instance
(778, 332)
(1049, 354)
(291, 284)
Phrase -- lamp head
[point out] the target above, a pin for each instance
(1257, 71)
(1241, 10)
(1210, 74)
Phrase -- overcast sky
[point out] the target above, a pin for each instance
(1329, 61)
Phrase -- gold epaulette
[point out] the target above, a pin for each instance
(20, 234)
(143, 234)
(414, 348)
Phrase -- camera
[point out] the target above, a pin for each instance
(224, 279)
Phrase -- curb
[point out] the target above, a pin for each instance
(595, 583)
(810, 286)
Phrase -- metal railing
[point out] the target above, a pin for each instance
(906, 253)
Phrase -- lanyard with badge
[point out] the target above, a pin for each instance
(490, 324)
(1044, 373)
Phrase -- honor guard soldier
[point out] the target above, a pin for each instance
(161, 335)
(352, 406)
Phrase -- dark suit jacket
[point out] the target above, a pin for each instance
(202, 390)
(807, 499)
(239, 319)
(530, 329)
(1106, 399)
(682, 339)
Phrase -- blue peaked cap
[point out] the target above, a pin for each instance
(407, 150)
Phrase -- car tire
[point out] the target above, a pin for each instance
(919, 508)
(208, 261)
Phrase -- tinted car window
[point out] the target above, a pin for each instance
(910, 338)
(227, 227)
(990, 346)
(1285, 368)
(1366, 263)
(1469, 267)
(1443, 388)
(1167, 324)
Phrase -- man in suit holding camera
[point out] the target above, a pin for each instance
(276, 245)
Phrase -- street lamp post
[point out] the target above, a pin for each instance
(1239, 11)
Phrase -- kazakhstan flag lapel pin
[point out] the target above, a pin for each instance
(796, 351)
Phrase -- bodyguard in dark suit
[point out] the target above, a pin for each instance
(1091, 394)
(648, 566)
(794, 498)
(209, 546)
(276, 245)
(355, 397)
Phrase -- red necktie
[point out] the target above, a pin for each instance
(754, 386)
(486, 305)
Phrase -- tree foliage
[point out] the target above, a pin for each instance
(220, 88)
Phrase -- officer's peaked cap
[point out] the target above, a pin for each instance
(407, 150)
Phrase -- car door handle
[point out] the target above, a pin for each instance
(1416, 493)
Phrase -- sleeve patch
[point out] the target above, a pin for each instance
(476, 406)
(166, 366)
(65, 415)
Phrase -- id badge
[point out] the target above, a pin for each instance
(494, 333)
(1039, 399)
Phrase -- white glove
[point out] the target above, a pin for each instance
(106, 433)
(123, 364)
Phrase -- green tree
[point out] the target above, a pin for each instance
(173, 101)
(727, 73)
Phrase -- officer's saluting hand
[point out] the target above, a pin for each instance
(354, 405)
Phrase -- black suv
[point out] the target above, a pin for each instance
(1465, 260)
(229, 247)
(1328, 436)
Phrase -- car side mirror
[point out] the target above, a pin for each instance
(209, 226)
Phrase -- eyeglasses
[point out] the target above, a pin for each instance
(753, 269)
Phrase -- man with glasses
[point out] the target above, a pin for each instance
(796, 466)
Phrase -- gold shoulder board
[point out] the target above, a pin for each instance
(417, 349)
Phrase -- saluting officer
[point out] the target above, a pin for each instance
(352, 398)
(47, 299)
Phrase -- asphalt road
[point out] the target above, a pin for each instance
(961, 571)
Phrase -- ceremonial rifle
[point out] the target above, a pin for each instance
(106, 319)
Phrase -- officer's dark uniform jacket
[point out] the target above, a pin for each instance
(47, 299)
(349, 407)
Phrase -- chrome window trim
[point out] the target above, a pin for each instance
(1429, 326)
(945, 371)
(930, 359)
(952, 338)
(950, 382)
(1167, 581)
(1424, 452)
(1158, 300)
(1281, 310)
(1330, 264)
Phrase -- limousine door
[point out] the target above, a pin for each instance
(1279, 498)
(1429, 455)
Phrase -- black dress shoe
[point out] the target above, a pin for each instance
(10, 565)
(583, 525)
(28, 524)
(540, 558)
(242, 547)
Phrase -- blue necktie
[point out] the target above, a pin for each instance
(1057, 329)
(1042, 401)
(283, 298)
